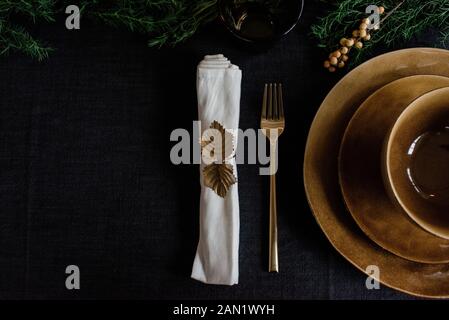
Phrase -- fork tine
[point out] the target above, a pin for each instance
(270, 102)
(281, 102)
(264, 102)
(275, 102)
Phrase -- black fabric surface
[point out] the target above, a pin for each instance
(86, 177)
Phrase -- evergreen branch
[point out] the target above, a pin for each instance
(35, 9)
(411, 19)
(17, 38)
(173, 21)
(167, 22)
(444, 37)
(204, 12)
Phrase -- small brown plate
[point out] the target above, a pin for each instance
(417, 161)
(360, 169)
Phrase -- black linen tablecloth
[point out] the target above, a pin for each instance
(86, 177)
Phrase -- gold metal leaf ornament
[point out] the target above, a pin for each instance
(218, 172)
(217, 151)
(219, 177)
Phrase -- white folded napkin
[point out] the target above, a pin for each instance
(218, 91)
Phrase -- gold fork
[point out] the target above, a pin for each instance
(272, 123)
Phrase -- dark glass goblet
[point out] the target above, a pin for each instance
(260, 23)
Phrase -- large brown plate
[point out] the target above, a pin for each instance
(321, 175)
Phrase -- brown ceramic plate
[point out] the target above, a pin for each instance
(321, 174)
(416, 161)
(360, 169)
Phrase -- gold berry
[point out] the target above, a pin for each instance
(350, 42)
(381, 10)
(366, 21)
(344, 58)
(327, 64)
(333, 61)
(332, 69)
(367, 37)
(343, 41)
(344, 50)
(341, 64)
(355, 33)
(336, 54)
(359, 45)
(363, 33)
(363, 26)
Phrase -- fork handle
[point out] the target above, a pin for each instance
(273, 253)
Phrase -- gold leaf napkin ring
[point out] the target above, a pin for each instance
(217, 150)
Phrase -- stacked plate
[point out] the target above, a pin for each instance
(376, 169)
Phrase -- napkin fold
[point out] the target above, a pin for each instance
(216, 259)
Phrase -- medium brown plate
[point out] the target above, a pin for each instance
(321, 174)
(360, 169)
